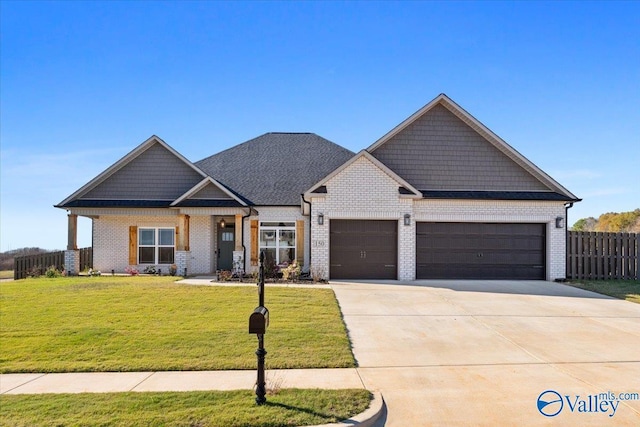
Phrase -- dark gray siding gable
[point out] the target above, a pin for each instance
(210, 191)
(439, 151)
(155, 174)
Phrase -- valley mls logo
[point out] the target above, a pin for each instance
(550, 403)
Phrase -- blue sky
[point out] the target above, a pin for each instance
(83, 83)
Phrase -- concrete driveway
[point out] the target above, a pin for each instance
(483, 352)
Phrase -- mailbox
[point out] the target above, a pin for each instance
(259, 320)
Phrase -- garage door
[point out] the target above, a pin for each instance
(480, 251)
(363, 249)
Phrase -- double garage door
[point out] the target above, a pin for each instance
(480, 251)
(369, 250)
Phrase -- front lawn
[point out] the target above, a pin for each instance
(83, 324)
(624, 289)
(212, 408)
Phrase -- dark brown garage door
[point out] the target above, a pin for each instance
(480, 251)
(363, 249)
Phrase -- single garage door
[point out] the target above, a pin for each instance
(480, 251)
(363, 249)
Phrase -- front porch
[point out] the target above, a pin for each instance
(192, 243)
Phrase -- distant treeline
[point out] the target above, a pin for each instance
(6, 258)
(623, 222)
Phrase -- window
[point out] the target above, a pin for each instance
(156, 245)
(278, 241)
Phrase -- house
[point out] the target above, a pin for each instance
(439, 196)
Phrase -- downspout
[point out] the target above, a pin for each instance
(310, 216)
(567, 206)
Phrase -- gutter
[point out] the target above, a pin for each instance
(567, 206)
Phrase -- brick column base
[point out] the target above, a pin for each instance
(182, 262)
(72, 262)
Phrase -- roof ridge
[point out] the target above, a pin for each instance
(292, 133)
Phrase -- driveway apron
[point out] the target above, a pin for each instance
(484, 352)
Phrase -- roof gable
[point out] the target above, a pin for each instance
(275, 168)
(153, 171)
(404, 188)
(443, 148)
(208, 191)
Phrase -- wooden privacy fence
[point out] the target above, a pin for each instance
(36, 265)
(602, 256)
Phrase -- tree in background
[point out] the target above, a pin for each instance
(624, 222)
(585, 224)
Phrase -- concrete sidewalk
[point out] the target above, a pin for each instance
(106, 382)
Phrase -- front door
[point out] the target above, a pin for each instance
(226, 245)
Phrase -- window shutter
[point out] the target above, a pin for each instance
(254, 242)
(133, 245)
(300, 242)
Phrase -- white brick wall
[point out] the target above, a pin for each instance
(72, 262)
(363, 191)
(111, 241)
(111, 238)
(201, 243)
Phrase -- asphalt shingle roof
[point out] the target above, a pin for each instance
(275, 168)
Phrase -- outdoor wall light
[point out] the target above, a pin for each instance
(407, 219)
(320, 219)
(559, 222)
(222, 223)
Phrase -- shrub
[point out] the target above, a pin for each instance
(150, 269)
(93, 272)
(131, 270)
(52, 272)
(291, 271)
(35, 271)
(271, 269)
(173, 269)
(224, 275)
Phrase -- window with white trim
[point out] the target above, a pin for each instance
(156, 245)
(278, 241)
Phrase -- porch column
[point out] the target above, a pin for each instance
(183, 233)
(72, 232)
(182, 246)
(238, 254)
(72, 254)
(238, 232)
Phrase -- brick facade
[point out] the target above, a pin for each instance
(111, 242)
(72, 262)
(365, 191)
(111, 238)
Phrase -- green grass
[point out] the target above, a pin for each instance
(289, 407)
(85, 324)
(624, 289)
